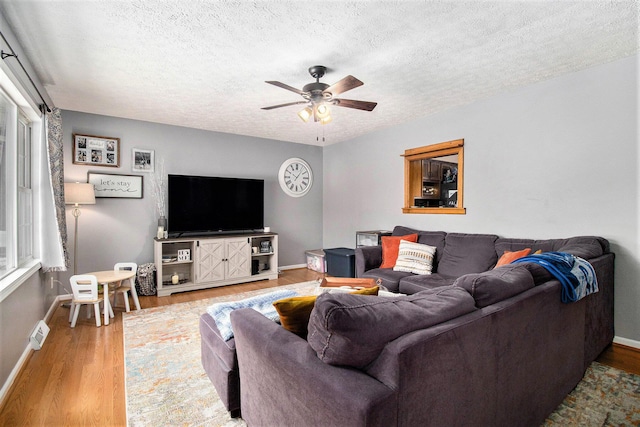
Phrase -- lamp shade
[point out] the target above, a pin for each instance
(76, 193)
(305, 114)
(322, 111)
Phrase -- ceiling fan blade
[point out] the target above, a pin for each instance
(360, 105)
(284, 105)
(343, 85)
(284, 86)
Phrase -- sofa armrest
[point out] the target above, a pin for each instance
(525, 350)
(599, 331)
(367, 258)
(282, 381)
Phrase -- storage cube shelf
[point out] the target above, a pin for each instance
(370, 238)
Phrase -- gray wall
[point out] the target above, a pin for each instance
(115, 230)
(19, 314)
(554, 159)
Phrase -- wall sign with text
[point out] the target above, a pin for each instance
(118, 186)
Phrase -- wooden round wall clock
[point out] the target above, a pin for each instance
(295, 177)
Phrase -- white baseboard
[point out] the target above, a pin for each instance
(292, 267)
(27, 351)
(627, 342)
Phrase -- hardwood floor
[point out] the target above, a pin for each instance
(77, 379)
(621, 357)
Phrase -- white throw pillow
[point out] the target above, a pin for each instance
(415, 258)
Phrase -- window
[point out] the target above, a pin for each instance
(433, 179)
(16, 197)
(25, 193)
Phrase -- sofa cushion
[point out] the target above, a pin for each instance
(390, 247)
(586, 247)
(508, 256)
(513, 245)
(415, 258)
(417, 283)
(496, 285)
(539, 273)
(431, 238)
(468, 253)
(263, 303)
(294, 312)
(389, 278)
(351, 330)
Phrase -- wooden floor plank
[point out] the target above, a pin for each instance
(78, 377)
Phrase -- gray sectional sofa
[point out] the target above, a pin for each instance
(468, 345)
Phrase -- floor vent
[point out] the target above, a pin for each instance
(38, 335)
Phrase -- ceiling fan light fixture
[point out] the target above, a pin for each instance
(326, 120)
(305, 114)
(319, 96)
(323, 111)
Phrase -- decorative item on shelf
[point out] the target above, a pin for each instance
(265, 247)
(184, 254)
(162, 222)
(158, 185)
(162, 226)
(175, 279)
(254, 249)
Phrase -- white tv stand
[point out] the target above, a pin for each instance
(214, 261)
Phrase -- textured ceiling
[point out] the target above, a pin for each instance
(203, 64)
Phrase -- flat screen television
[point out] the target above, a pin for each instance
(214, 205)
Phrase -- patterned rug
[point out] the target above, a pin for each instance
(167, 386)
(165, 382)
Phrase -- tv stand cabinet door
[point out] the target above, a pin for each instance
(209, 263)
(238, 258)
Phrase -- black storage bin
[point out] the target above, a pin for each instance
(341, 262)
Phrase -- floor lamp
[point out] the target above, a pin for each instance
(76, 193)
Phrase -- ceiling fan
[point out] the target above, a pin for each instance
(319, 96)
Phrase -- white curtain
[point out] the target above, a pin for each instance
(52, 221)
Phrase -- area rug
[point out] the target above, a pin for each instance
(164, 379)
(166, 384)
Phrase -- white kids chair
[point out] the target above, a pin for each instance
(85, 292)
(125, 288)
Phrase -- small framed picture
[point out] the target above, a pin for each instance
(142, 160)
(96, 150)
(116, 186)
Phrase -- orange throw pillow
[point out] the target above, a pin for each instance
(390, 247)
(508, 257)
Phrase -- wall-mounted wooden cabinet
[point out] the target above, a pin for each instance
(431, 170)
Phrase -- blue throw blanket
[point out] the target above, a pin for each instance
(577, 276)
(221, 311)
